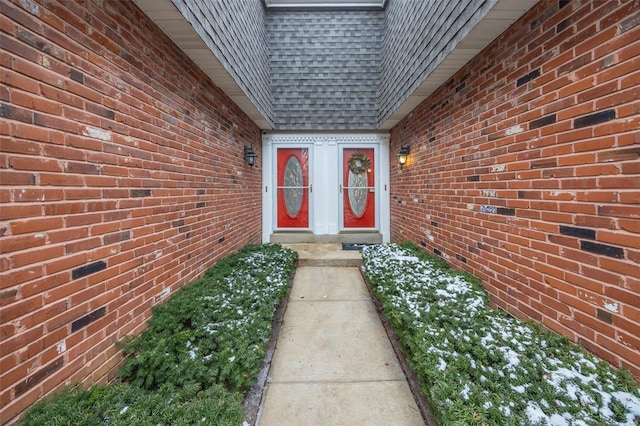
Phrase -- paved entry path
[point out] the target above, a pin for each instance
(333, 363)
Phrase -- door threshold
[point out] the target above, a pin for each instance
(367, 237)
(291, 231)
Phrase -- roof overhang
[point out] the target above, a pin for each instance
(166, 16)
(170, 20)
(495, 22)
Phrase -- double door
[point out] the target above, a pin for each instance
(321, 185)
(297, 206)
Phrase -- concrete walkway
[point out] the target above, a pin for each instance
(333, 363)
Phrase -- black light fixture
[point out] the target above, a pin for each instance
(250, 155)
(403, 155)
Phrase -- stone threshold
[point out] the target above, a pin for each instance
(297, 237)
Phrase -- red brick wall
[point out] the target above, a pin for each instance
(121, 177)
(525, 171)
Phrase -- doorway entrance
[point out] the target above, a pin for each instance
(293, 188)
(358, 207)
(325, 187)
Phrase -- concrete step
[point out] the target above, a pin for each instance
(325, 255)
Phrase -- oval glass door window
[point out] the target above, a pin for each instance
(293, 183)
(358, 189)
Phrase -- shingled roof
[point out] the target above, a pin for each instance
(338, 65)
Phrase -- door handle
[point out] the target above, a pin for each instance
(341, 188)
(310, 187)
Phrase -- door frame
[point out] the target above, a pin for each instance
(325, 174)
(376, 185)
(310, 180)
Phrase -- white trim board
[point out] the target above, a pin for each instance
(325, 173)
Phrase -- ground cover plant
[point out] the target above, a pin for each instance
(121, 404)
(202, 350)
(478, 366)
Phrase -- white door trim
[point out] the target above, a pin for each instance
(325, 172)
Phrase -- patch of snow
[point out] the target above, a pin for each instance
(557, 420)
(535, 413)
(486, 339)
(631, 403)
(505, 410)
(511, 356)
(520, 389)
(464, 393)
(407, 258)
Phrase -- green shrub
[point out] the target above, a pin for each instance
(121, 404)
(480, 366)
(216, 329)
(202, 349)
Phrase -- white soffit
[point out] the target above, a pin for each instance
(166, 16)
(494, 23)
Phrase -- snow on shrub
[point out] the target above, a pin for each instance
(481, 366)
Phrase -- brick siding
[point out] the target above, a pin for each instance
(122, 179)
(525, 171)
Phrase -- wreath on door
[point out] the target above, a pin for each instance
(359, 163)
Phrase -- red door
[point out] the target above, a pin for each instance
(293, 188)
(358, 202)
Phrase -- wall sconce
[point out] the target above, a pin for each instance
(403, 155)
(250, 155)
